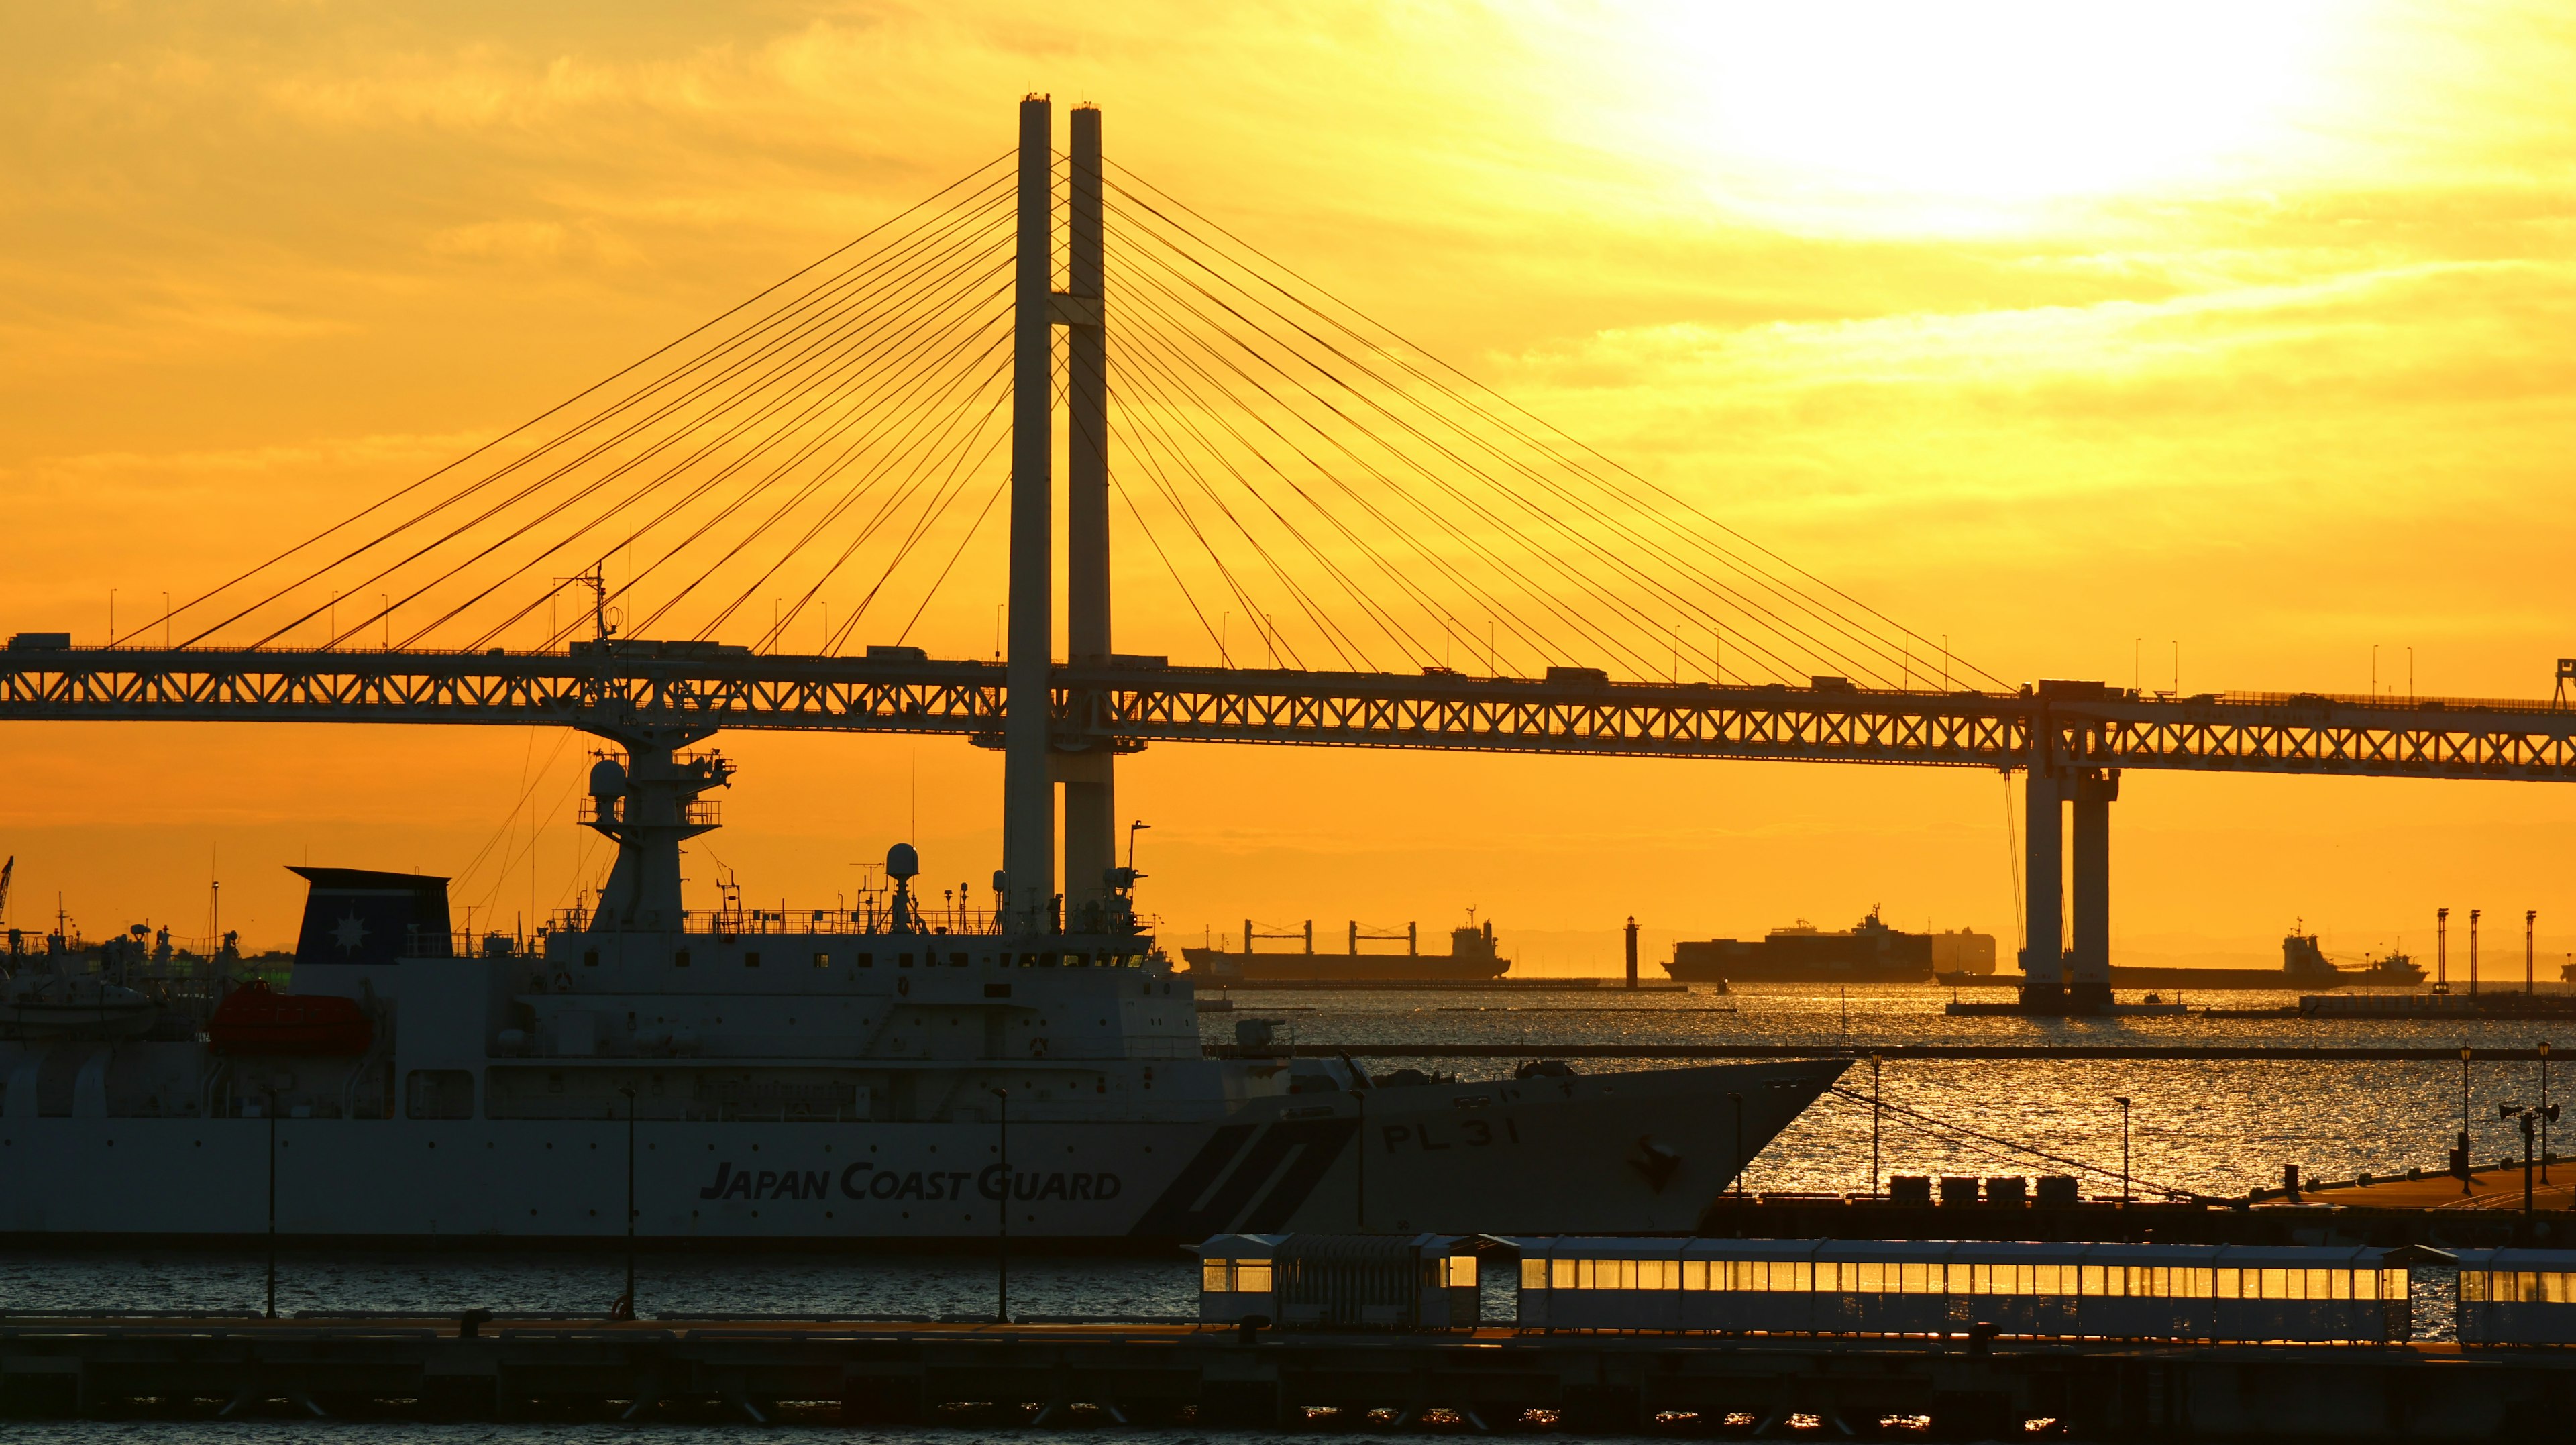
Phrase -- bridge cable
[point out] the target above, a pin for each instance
(910, 214)
(705, 450)
(1572, 535)
(1810, 603)
(1430, 513)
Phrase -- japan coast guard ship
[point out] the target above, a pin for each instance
(887, 1073)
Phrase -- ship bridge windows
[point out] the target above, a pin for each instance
(865, 960)
(679, 958)
(751, 960)
(822, 960)
(590, 958)
(956, 960)
(903, 960)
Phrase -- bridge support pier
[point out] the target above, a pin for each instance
(2088, 982)
(2043, 954)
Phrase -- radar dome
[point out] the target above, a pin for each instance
(902, 862)
(607, 779)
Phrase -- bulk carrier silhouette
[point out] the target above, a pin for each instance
(1473, 956)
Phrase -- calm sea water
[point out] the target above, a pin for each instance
(2216, 1127)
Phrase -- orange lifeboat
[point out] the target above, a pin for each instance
(255, 1019)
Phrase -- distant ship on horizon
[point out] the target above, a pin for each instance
(1868, 952)
(2304, 965)
(1473, 955)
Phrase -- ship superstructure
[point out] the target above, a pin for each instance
(878, 1072)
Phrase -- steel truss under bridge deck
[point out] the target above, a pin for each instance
(2088, 726)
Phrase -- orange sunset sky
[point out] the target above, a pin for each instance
(2087, 336)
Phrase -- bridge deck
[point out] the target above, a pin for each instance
(2083, 726)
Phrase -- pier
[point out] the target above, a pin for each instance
(2150, 1052)
(864, 1372)
(1220, 988)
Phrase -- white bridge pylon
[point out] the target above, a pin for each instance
(1035, 761)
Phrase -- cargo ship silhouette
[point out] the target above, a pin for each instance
(1868, 952)
(1473, 955)
(2304, 965)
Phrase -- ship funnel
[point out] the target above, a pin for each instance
(353, 915)
(902, 861)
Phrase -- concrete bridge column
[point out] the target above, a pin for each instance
(2088, 982)
(2043, 958)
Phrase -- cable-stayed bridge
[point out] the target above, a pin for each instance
(1414, 561)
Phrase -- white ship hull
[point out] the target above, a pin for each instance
(1607, 1153)
(867, 1073)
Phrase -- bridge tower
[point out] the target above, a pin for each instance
(1028, 792)
(1032, 765)
(1090, 789)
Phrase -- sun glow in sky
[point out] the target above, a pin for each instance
(2219, 343)
(1892, 115)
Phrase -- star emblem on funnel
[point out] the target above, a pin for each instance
(349, 932)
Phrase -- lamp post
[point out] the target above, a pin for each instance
(2528, 1118)
(1359, 1137)
(1876, 1096)
(2546, 1115)
(271, 1110)
(2473, 950)
(1739, 1145)
(626, 1302)
(2460, 1152)
(1002, 1148)
(2123, 1101)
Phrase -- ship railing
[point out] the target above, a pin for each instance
(698, 813)
(419, 942)
(872, 918)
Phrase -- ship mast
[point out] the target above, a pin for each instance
(648, 806)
